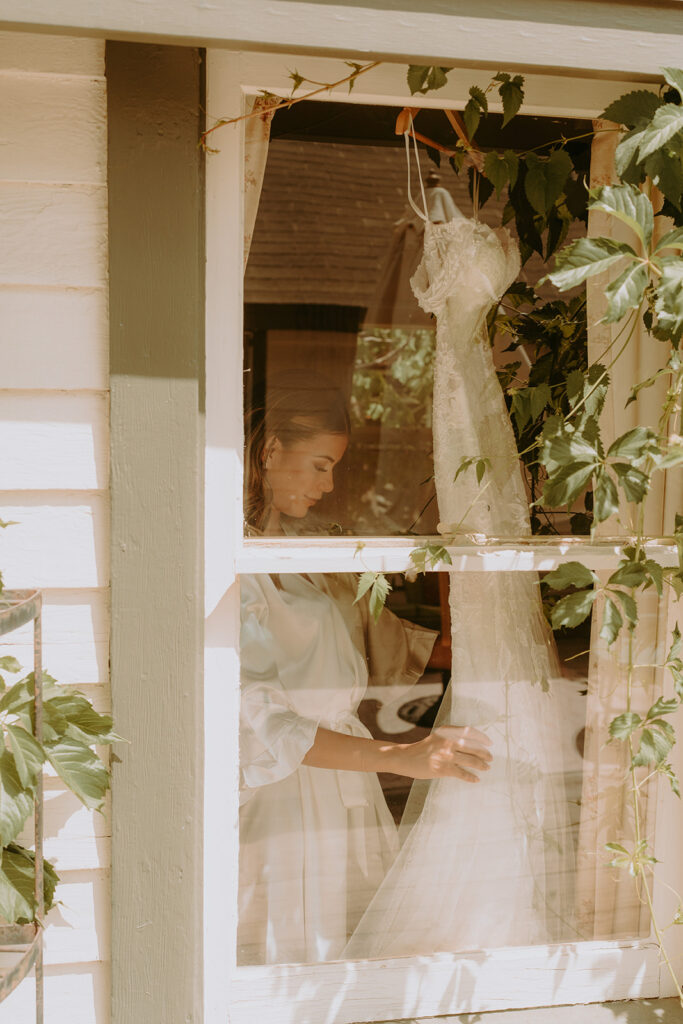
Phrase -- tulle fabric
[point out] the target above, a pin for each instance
(488, 864)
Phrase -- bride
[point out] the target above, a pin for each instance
(316, 836)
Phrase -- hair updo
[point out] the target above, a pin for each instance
(299, 406)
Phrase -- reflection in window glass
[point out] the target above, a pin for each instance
(372, 822)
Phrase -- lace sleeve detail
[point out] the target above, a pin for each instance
(465, 258)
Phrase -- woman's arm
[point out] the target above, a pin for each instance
(450, 750)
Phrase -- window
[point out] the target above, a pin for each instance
(317, 317)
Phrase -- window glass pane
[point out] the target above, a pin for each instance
(344, 855)
(329, 307)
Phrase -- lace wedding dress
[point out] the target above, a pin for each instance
(487, 864)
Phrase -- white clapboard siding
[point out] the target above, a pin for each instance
(54, 470)
(78, 929)
(56, 440)
(75, 994)
(58, 338)
(75, 637)
(52, 129)
(72, 934)
(53, 234)
(51, 55)
(59, 541)
(76, 838)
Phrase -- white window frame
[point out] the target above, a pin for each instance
(403, 987)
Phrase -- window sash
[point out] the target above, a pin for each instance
(406, 986)
(392, 554)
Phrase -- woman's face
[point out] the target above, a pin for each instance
(298, 476)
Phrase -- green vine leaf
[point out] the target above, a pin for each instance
(669, 298)
(624, 725)
(417, 76)
(655, 576)
(635, 109)
(511, 91)
(17, 883)
(663, 706)
(480, 96)
(378, 595)
(628, 205)
(674, 77)
(570, 574)
(545, 178)
(16, 697)
(364, 583)
(626, 292)
(584, 258)
(297, 80)
(497, 170)
(629, 607)
(378, 587)
(427, 556)
(28, 755)
(671, 240)
(476, 105)
(634, 482)
(570, 611)
(9, 664)
(81, 769)
(611, 623)
(356, 68)
(481, 466)
(14, 905)
(634, 444)
(424, 78)
(630, 574)
(605, 497)
(654, 747)
(664, 126)
(665, 168)
(665, 769)
(16, 802)
(564, 486)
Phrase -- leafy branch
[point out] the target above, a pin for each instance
(556, 414)
(283, 103)
(71, 729)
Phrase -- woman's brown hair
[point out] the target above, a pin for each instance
(298, 406)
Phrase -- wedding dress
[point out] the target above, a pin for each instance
(488, 864)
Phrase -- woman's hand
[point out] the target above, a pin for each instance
(456, 751)
(451, 750)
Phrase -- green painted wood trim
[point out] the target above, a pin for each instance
(156, 252)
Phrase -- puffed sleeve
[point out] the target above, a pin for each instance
(274, 738)
(397, 650)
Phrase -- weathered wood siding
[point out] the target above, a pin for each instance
(54, 443)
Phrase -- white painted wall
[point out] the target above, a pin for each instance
(54, 441)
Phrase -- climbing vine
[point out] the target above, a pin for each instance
(568, 446)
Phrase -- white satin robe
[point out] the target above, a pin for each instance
(314, 843)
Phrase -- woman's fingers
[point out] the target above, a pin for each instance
(472, 759)
(463, 733)
(465, 776)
